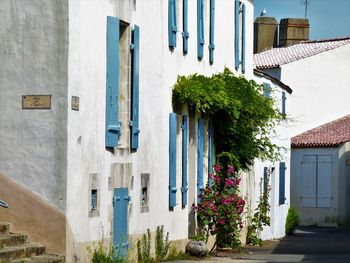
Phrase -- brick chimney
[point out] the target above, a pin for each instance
(293, 30)
(265, 33)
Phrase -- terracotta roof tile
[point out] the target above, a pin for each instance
(276, 57)
(330, 134)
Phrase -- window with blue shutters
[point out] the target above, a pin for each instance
(172, 159)
(184, 187)
(283, 102)
(134, 123)
(172, 24)
(200, 28)
(211, 32)
(267, 90)
(200, 156)
(282, 183)
(112, 83)
(240, 33)
(185, 34)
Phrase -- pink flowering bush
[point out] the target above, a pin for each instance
(219, 211)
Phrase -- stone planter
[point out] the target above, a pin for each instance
(197, 248)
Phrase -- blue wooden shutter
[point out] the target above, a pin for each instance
(185, 33)
(184, 187)
(243, 38)
(212, 30)
(210, 153)
(282, 196)
(135, 88)
(172, 24)
(236, 34)
(112, 82)
(121, 200)
(200, 28)
(267, 90)
(265, 179)
(200, 156)
(283, 102)
(172, 159)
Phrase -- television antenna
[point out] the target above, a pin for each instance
(306, 3)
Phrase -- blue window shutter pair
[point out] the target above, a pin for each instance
(200, 156)
(184, 187)
(121, 200)
(283, 102)
(185, 33)
(172, 159)
(237, 35)
(265, 179)
(267, 90)
(172, 24)
(210, 154)
(212, 30)
(135, 88)
(200, 28)
(282, 196)
(112, 83)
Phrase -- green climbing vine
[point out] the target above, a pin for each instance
(243, 118)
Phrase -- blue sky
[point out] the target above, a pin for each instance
(328, 18)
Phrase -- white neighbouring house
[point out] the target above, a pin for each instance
(85, 100)
(318, 73)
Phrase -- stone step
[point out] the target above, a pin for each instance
(13, 240)
(4, 228)
(41, 259)
(21, 251)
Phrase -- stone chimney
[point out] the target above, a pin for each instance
(293, 30)
(265, 33)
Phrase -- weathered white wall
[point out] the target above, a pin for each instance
(159, 68)
(278, 213)
(308, 215)
(320, 86)
(34, 52)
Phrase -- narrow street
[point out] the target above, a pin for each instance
(308, 244)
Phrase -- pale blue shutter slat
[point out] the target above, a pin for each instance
(243, 38)
(172, 159)
(200, 29)
(210, 153)
(184, 187)
(236, 34)
(283, 102)
(185, 33)
(265, 179)
(112, 83)
(135, 88)
(121, 200)
(200, 156)
(282, 196)
(172, 23)
(212, 31)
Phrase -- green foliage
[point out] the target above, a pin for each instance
(261, 216)
(144, 248)
(220, 209)
(162, 243)
(291, 221)
(102, 255)
(174, 254)
(243, 117)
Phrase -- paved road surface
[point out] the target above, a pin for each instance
(308, 244)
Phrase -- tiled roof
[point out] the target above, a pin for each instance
(276, 57)
(330, 134)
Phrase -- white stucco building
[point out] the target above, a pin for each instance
(85, 100)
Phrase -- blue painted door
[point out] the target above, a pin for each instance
(200, 156)
(121, 200)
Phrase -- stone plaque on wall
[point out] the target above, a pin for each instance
(36, 102)
(75, 103)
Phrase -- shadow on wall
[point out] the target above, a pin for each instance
(344, 187)
(31, 216)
